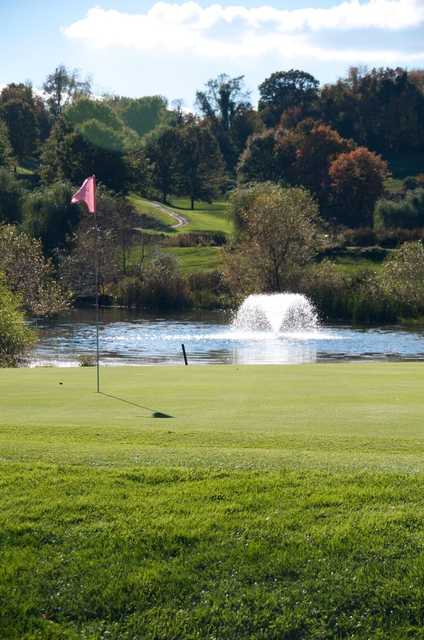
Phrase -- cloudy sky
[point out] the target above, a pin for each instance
(140, 47)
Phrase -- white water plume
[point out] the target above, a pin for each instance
(276, 312)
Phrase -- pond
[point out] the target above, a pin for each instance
(211, 338)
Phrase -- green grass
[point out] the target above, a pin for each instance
(143, 206)
(277, 503)
(394, 185)
(196, 259)
(351, 265)
(205, 217)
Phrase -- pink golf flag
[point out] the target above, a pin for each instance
(87, 193)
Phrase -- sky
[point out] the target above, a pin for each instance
(171, 48)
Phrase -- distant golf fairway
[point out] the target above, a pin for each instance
(278, 502)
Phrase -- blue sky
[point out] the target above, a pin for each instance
(139, 47)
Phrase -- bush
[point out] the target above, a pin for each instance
(10, 198)
(358, 298)
(362, 237)
(15, 337)
(402, 278)
(392, 238)
(197, 239)
(50, 217)
(160, 287)
(209, 289)
(407, 213)
(29, 274)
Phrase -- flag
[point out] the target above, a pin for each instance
(87, 193)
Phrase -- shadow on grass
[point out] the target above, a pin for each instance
(155, 414)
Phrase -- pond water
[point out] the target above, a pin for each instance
(211, 338)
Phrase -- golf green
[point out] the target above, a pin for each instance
(275, 502)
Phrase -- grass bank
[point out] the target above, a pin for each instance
(209, 217)
(276, 503)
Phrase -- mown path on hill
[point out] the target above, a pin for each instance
(181, 221)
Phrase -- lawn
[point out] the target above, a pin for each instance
(196, 259)
(276, 503)
(147, 208)
(351, 265)
(205, 216)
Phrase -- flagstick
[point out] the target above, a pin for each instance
(97, 298)
(97, 304)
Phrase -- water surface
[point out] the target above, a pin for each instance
(209, 338)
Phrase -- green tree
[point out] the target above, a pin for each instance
(278, 234)
(20, 114)
(145, 114)
(200, 164)
(62, 86)
(285, 90)
(226, 108)
(15, 336)
(73, 155)
(161, 148)
(382, 109)
(259, 161)
(86, 108)
(50, 217)
(11, 198)
(6, 154)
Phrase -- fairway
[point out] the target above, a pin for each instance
(277, 502)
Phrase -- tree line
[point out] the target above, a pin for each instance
(304, 149)
(293, 137)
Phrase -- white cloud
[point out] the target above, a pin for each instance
(221, 32)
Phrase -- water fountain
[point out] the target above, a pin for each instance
(276, 312)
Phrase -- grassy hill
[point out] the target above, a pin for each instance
(277, 503)
(205, 217)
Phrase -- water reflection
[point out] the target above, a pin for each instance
(128, 338)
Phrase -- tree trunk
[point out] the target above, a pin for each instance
(192, 202)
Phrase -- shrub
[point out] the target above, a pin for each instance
(362, 237)
(197, 239)
(29, 274)
(358, 298)
(15, 337)
(402, 278)
(159, 287)
(209, 289)
(10, 198)
(407, 213)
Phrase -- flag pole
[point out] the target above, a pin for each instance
(97, 288)
(87, 194)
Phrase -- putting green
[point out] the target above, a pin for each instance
(225, 416)
(277, 503)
